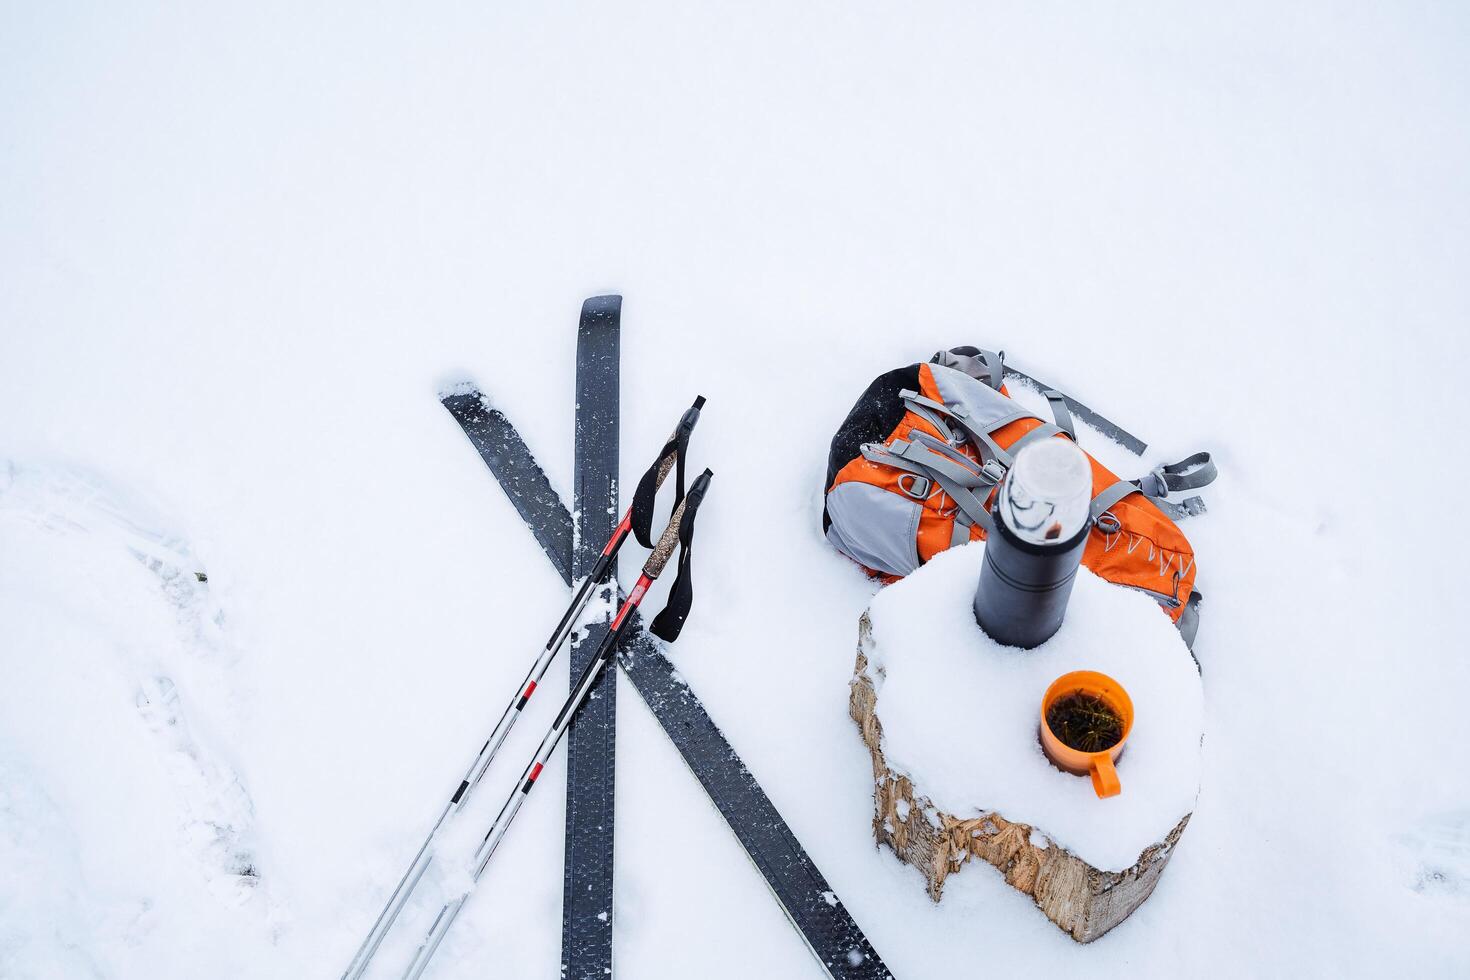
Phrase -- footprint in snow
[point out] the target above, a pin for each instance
(217, 812)
(1439, 851)
(69, 499)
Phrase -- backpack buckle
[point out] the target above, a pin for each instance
(992, 471)
(917, 486)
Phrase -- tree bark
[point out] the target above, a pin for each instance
(1083, 901)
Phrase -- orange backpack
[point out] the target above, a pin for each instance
(914, 464)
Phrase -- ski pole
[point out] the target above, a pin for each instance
(680, 525)
(672, 454)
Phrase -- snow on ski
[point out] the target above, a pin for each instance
(587, 908)
(798, 886)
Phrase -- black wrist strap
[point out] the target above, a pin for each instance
(670, 621)
(667, 624)
(647, 492)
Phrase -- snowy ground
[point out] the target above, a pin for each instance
(242, 248)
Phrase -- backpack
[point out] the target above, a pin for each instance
(913, 467)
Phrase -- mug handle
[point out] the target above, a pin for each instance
(1105, 777)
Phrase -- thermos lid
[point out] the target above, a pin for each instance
(1047, 495)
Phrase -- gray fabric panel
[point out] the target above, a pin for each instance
(874, 527)
(984, 404)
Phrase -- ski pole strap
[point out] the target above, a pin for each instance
(671, 457)
(680, 532)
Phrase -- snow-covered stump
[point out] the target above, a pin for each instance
(1030, 828)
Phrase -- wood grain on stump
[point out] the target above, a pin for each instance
(1083, 901)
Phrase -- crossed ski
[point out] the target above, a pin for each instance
(794, 880)
(809, 902)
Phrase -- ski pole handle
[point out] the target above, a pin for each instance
(670, 459)
(677, 438)
(664, 549)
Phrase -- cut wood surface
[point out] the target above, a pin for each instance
(1082, 900)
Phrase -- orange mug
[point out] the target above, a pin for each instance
(1100, 765)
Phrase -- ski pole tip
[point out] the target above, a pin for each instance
(698, 402)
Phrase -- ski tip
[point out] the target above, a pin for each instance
(699, 402)
(605, 304)
(460, 388)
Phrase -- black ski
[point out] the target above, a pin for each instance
(587, 909)
(803, 893)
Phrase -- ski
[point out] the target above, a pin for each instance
(804, 895)
(587, 909)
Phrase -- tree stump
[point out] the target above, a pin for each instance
(1082, 900)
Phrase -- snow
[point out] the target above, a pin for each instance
(242, 249)
(960, 711)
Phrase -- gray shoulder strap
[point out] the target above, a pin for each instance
(1044, 431)
(1061, 412)
(1104, 501)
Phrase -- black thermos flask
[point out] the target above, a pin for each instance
(1042, 518)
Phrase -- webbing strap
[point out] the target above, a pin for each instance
(1044, 431)
(1104, 501)
(988, 448)
(1060, 412)
(954, 479)
(953, 455)
(928, 460)
(1188, 507)
(960, 533)
(928, 410)
(1189, 473)
(912, 398)
(878, 453)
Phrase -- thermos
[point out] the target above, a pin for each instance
(1042, 517)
